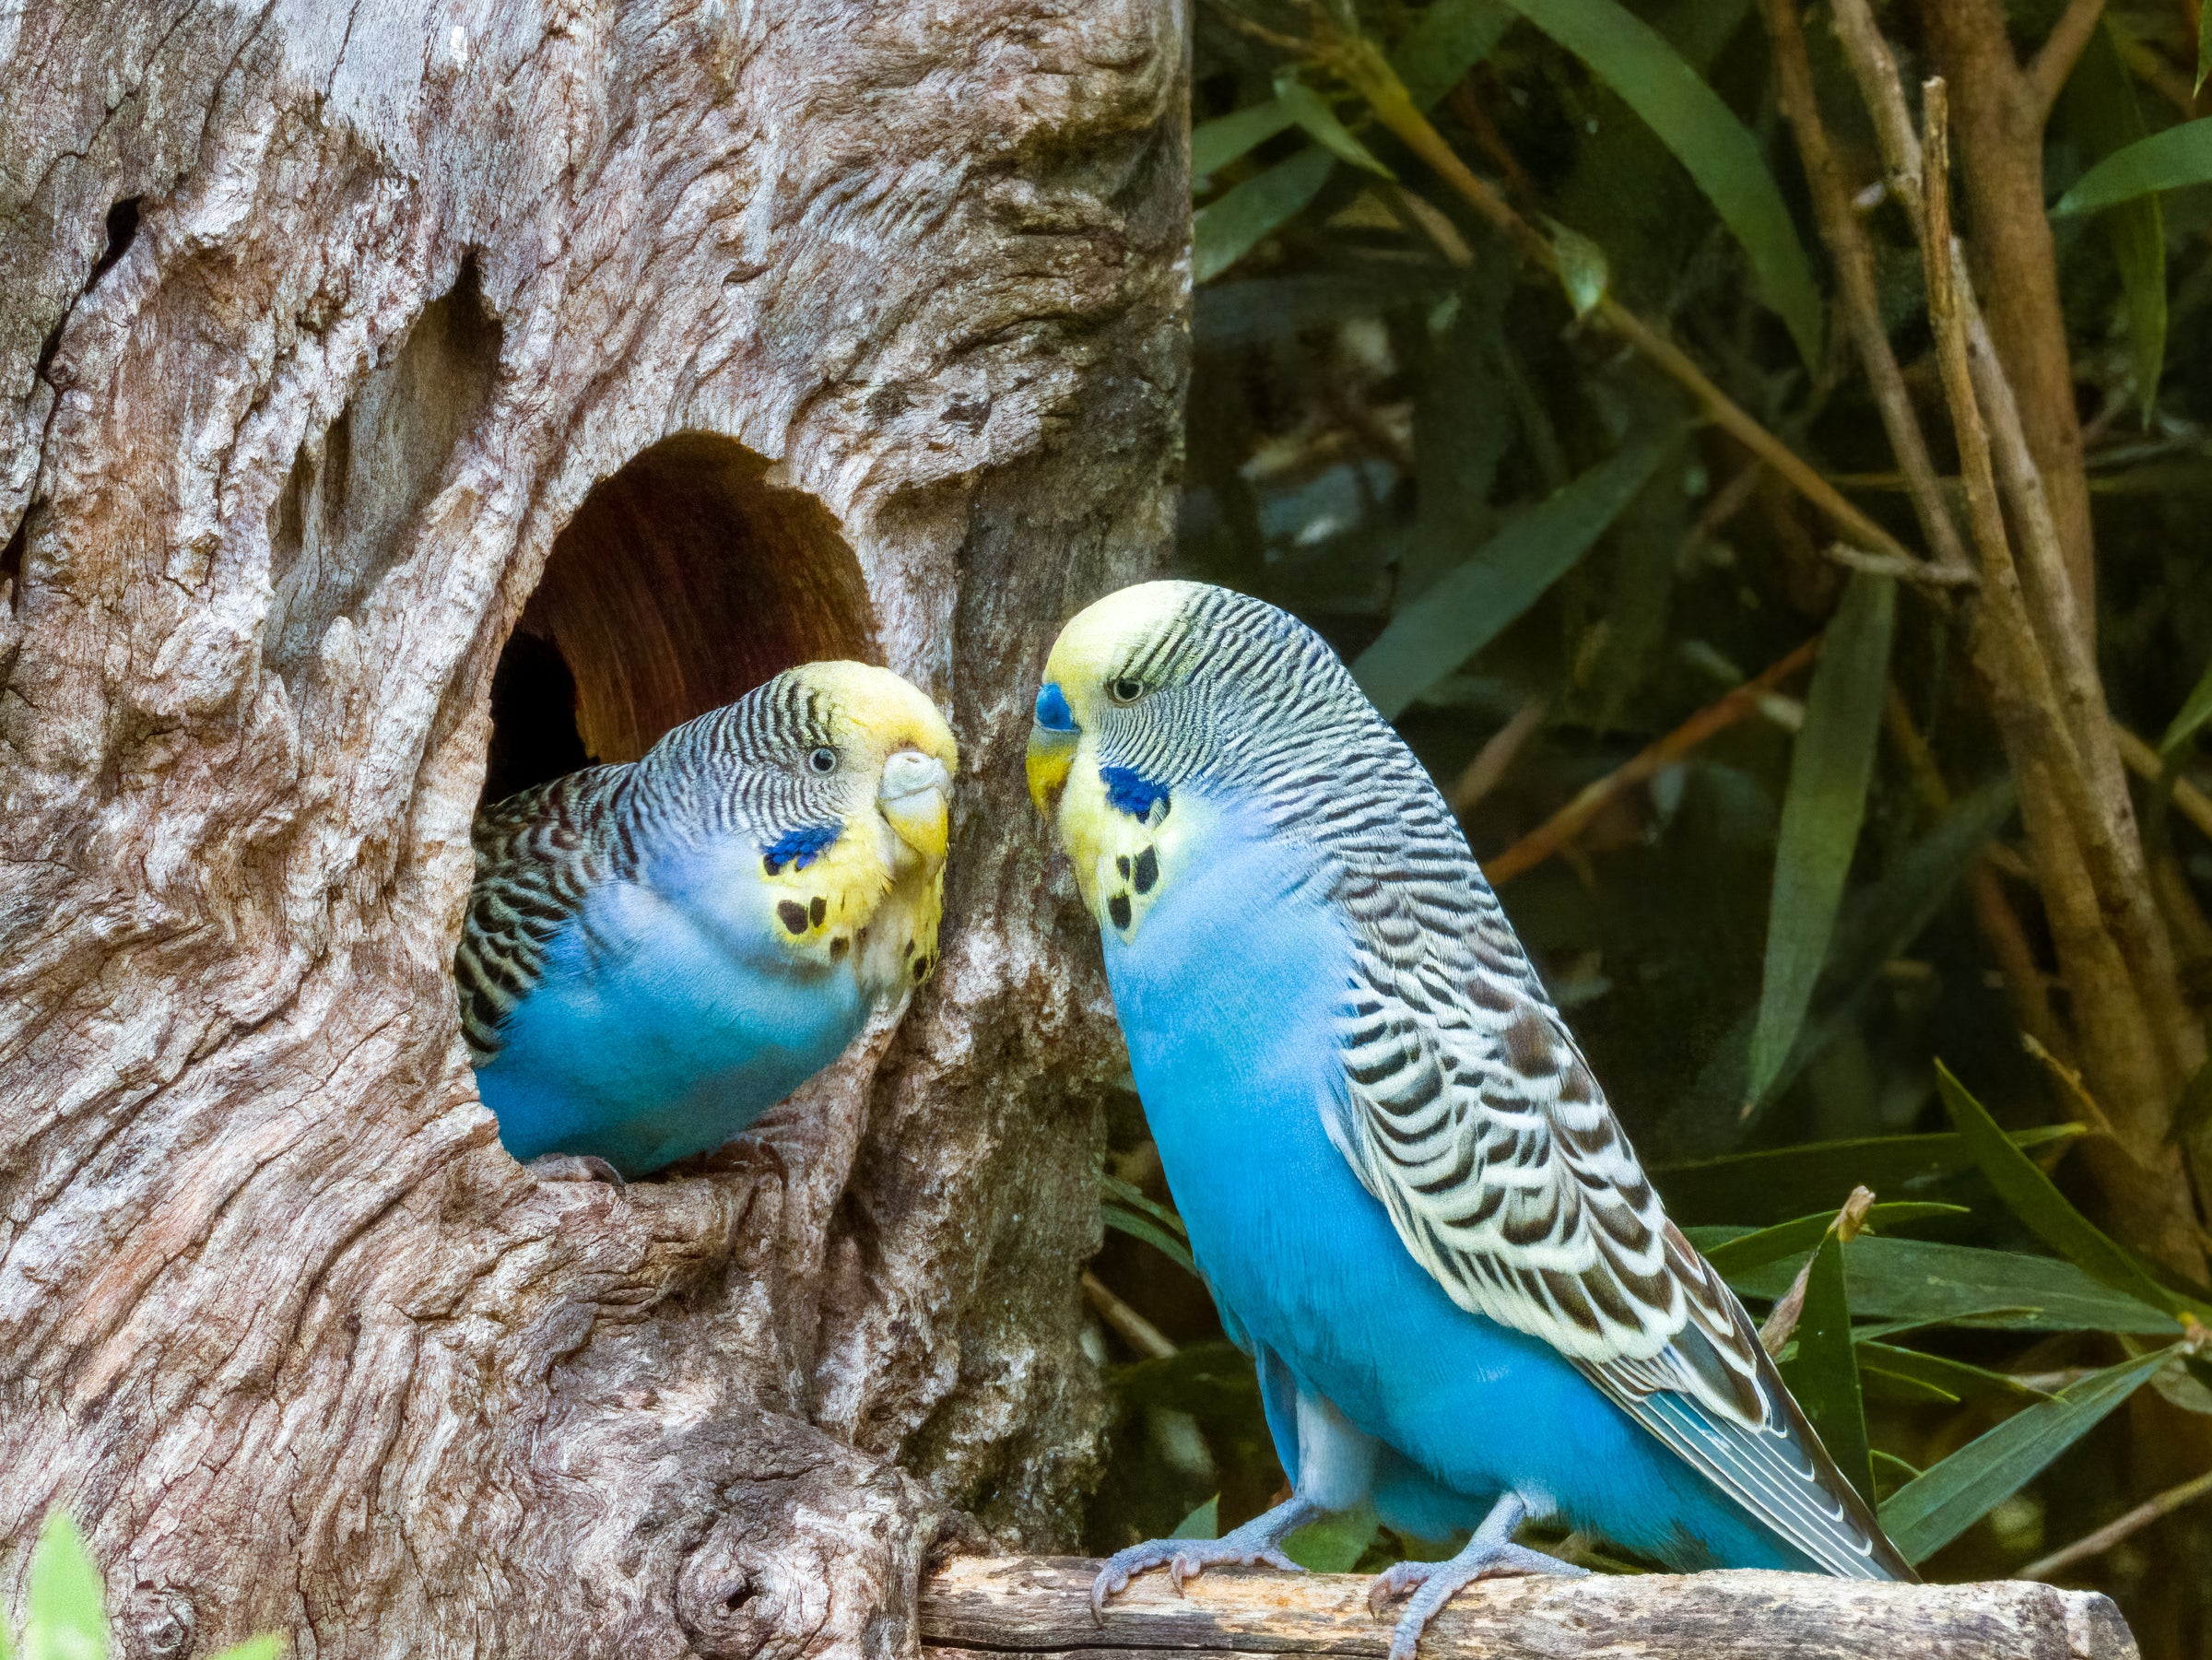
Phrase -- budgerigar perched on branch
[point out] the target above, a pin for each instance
(657, 953)
(1402, 1184)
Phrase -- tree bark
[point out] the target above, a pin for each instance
(322, 324)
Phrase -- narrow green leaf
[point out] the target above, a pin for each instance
(1954, 1377)
(1928, 1513)
(1129, 1196)
(1138, 1226)
(1334, 1543)
(1229, 228)
(266, 1646)
(1215, 143)
(1830, 766)
(66, 1620)
(1650, 77)
(1881, 922)
(1928, 1284)
(1882, 1384)
(1824, 1373)
(1582, 269)
(1467, 608)
(1791, 1239)
(2100, 113)
(2195, 712)
(1205, 1523)
(2204, 47)
(2167, 161)
(2032, 1196)
(1452, 37)
(1311, 112)
(1788, 1182)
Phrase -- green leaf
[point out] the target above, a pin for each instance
(1830, 766)
(1824, 1373)
(1136, 1225)
(266, 1646)
(1229, 228)
(66, 1620)
(1955, 1378)
(1334, 1544)
(2032, 1196)
(1927, 1283)
(1452, 37)
(1582, 269)
(1788, 1182)
(1210, 1379)
(1931, 1511)
(2100, 113)
(1882, 1384)
(2195, 712)
(1311, 112)
(1129, 1196)
(1650, 77)
(2180, 155)
(1793, 1238)
(1471, 605)
(1215, 143)
(2204, 47)
(1205, 1523)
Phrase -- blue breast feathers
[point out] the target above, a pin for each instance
(1132, 793)
(801, 847)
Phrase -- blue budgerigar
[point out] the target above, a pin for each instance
(1402, 1184)
(656, 952)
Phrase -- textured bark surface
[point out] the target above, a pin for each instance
(1026, 1606)
(321, 324)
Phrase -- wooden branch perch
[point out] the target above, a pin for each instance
(1003, 1605)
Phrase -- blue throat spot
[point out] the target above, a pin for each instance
(1135, 795)
(800, 848)
(1053, 712)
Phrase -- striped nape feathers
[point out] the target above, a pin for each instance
(836, 776)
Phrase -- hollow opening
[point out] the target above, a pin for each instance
(684, 581)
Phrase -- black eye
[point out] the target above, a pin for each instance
(1124, 689)
(823, 760)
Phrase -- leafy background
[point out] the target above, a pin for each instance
(1784, 800)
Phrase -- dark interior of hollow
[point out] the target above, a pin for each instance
(683, 582)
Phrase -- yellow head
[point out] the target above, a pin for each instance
(825, 795)
(1111, 674)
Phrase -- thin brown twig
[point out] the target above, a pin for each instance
(1493, 760)
(1570, 821)
(1132, 1327)
(1357, 63)
(2112, 1532)
(2143, 760)
(2047, 72)
(1845, 235)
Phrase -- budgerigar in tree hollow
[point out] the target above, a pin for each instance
(1401, 1183)
(657, 953)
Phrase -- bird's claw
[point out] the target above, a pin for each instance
(575, 1167)
(1432, 1585)
(1183, 1560)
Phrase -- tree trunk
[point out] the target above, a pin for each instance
(735, 335)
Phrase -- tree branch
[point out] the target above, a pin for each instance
(2048, 71)
(1002, 1607)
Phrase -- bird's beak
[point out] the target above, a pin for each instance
(913, 797)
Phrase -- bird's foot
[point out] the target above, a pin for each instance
(575, 1167)
(1491, 1553)
(752, 1155)
(1256, 1545)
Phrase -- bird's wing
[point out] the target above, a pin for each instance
(1467, 1110)
(538, 855)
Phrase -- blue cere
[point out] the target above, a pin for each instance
(1053, 712)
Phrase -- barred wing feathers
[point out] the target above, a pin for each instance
(538, 855)
(1471, 1115)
